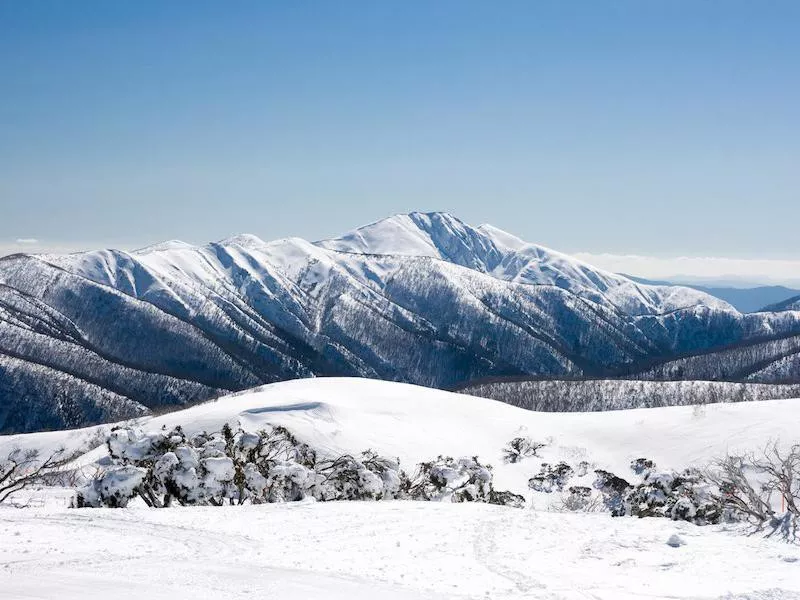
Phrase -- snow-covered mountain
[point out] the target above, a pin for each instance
(419, 298)
(792, 303)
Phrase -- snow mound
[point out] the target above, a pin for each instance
(415, 424)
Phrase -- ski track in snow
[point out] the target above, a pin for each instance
(393, 550)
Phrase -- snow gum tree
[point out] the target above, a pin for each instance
(270, 465)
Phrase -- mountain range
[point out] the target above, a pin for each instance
(420, 298)
(753, 298)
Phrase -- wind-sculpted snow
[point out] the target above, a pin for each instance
(419, 298)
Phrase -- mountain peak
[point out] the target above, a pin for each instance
(502, 237)
(245, 240)
(163, 246)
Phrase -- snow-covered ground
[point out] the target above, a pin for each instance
(393, 550)
(406, 549)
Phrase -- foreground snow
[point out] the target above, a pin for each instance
(393, 550)
(404, 550)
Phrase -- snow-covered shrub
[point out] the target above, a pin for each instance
(193, 471)
(685, 496)
(551, 478)
(613, 490)
(578, 498)
(176, 475)
(270, 465)
(682, 496)
(368, 477)
(520, 448)
(113, 487)
(451, 480)
(392, 477)
(217, 479)
(130, 445)
(506, 498)
(641, 466)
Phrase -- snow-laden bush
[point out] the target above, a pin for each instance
(685, 496)
(578, 498)
(506, 498)
(613, 490)
(451, 480)
(193, 471)
(270, 465)
(520, 448)
(368, 477)
(641, 466)
(551, 478)
(114, 487)
(464, 479)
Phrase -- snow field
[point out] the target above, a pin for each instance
(392, 550)
(409, 550)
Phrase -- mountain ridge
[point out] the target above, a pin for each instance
(420, 298)
(759, 298)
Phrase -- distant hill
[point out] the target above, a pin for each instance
(792, 303)
(766, 298)
(615, 394)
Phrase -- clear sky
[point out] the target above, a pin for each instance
(655, 128)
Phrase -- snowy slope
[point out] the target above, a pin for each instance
(407, 550)
(380, 551)
(418, 298)
(341, 415)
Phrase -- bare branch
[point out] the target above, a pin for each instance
(23, 468)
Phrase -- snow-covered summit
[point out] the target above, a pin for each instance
(421, 298)
(488, 249)
(162, 247)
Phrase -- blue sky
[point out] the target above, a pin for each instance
(655, 128)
